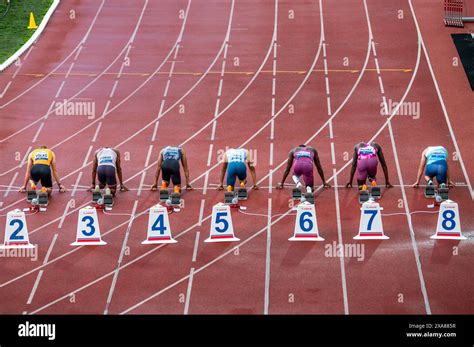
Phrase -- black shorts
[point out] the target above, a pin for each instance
(170, 169)
(106, 175)
(41, 172)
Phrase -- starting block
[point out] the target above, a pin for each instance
(222, 229)
(430, 191)
(364, 196)
(375, 192)
(38, 200)
(31, 194)
(159, 230)
(449, 225)
(164, 195)
(88, 230)
(242, 194)
(296, 194)
(370, 226)
(96, 194)
(16, 231)
(443, 192)
(306, 226)
(308, 197)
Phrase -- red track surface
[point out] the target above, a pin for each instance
(263, 273)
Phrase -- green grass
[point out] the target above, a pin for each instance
(13, 26)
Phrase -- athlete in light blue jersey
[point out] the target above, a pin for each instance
(434, 163)
(234, 164)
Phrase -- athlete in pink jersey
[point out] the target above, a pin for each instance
(365, 161)
(303, 157)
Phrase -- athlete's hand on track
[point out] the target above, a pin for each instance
(154, 187)
(220, 187)
(92, 187)
(62, 189)
(22, 189)
(255, 187)
(451, 184)
(189, 187)
(123, 188)
(416, 184)
(349, 185)
(326, 185)
(279, 186)
(388, 185)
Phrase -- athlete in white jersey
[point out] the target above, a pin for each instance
(234, 164)
(106, 167)
(434, 160)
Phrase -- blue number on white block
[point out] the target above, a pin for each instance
(448, 218)
(159, 224)
(220, 218)
(373, 213)
(306, 224)
(90, 225)
(15, 235)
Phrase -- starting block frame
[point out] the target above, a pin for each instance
(454, 13)
(449, 224)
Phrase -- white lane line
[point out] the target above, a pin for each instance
(74, 189)
(170, 74)
(196, 246)
(37, 132)
(25, 158)
(201, 212)
(139, 21)
(147, 160)
(206, 181)
(94, 139)
(165, 94)
(268, 258)
(112, 92)
(78, 51)
(270, 161)
(87, 156)
(440, 97)
(209, 156)
(60, 89)
(219, 92)
(333, 154)
(341, 245)
(11, 184)
(40, 273)
(270, 181)
(122, 252)
(213, 132)
(188, 291)
(5, 90)
(155, 129)
(65, 213)
(69, 71)
(84, 39)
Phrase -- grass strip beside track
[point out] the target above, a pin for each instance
(14, 30)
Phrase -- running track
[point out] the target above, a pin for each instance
(172, 68)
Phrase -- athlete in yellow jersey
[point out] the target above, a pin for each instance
(41, 163)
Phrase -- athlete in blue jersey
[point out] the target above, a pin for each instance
(168, 163)
(434, 161)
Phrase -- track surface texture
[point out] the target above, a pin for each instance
(267, 75)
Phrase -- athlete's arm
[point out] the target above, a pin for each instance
(251, 166)
(420, 169)
(353, 168)
(55, 174)
(320, 169)
(184, 161)
(158, 170)
(289, 164)
(223, 171)
(384, 165)
(27, 175)
(118, 163)
(94, 172)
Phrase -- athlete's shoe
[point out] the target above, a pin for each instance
(296, 179)
(308, 189)
(430, 182)
(364, 187)
(164, 185)
(107, 191)
(97, 188)
(298, 185)
(229, 188)
(176, 189)
(374, 183)
(242, 185)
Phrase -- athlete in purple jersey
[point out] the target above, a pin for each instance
(365, 161)
(303, 157)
